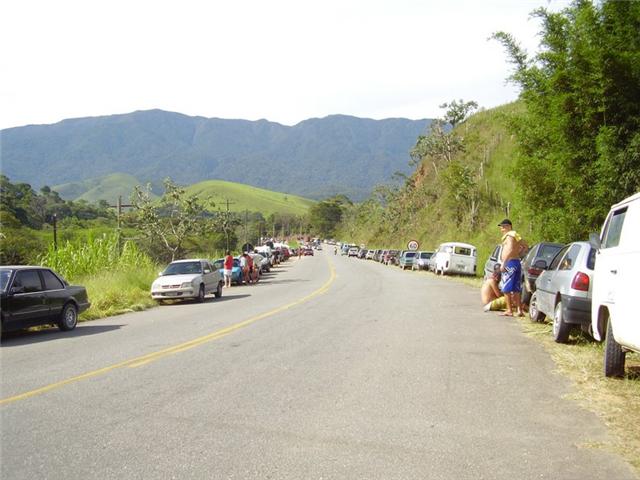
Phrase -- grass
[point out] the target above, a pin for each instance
(244, 197)
(615, 401)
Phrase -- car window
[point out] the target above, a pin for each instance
(547, 252)
(51, 282)
(462, 251)
(569, 260)
(29, 280)
(557, 258)
(496, 253)
(5, 275)
(591, 259)
(182, 268)
(613, 229)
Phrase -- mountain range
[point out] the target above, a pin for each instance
(315, 158)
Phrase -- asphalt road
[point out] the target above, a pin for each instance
(330, 368)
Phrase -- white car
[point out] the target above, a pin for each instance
(191, 278)
(455, 257)
(614, 314)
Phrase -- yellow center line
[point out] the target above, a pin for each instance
(151, 357)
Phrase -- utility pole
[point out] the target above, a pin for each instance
(119, 206)
(55, 231)
(226, 224)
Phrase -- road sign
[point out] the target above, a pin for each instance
(413, 245)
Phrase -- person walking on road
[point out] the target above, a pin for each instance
(510, 283)
(228, 268)
(244, 266)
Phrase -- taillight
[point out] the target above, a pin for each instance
(580, 282)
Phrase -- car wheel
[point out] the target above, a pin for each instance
(561, 329)
(68, 317)
(218, 292)
(614, 356)
(535, 314)
(201, 294)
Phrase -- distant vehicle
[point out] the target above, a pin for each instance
(455, 257)
(494, 258)
(190, 278)
(33, 295)
(377, 255)
(391, 258)
(540, 251)
(422, 260)
(563, 290)
(353, 252)
(362, 253)
(614, 314)
(406, 259)
(369, 255)
(308, 252)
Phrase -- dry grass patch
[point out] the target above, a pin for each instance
(615, 401)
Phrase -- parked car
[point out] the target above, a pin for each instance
(236, 271)
(392, 257)
(455, 257)
(494, 258)
(362, 253)
(540, 251)
(613, 311)
(353, 252)
(190, 278)
(563, 290)
(369, 255)
(421, 261)
(33, 295)
(406, 259)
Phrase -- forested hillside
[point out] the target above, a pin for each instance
(553, 162)
(316, 158)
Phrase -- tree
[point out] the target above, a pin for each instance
(324, 217)
(579, 138)
(170, 220)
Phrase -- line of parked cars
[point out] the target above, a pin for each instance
(588, 285)
(449, 258)
(196, 278)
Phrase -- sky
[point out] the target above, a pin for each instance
(281, 60)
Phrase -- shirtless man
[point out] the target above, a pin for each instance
(511, 269)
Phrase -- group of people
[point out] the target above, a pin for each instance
(502, 290)
(249, 274)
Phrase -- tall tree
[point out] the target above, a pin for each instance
(579, 138)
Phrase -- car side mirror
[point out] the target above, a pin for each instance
(206, 270)
(15, 290)
(541, 264)
(594, 241)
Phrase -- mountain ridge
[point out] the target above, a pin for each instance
(315, 158)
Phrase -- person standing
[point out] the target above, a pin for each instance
(228, 268)
(244, 266)
(510, 282)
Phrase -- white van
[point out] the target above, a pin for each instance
(614, 314)
(455, 257)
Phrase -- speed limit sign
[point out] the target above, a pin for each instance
(413, 245)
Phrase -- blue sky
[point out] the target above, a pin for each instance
(280, 60)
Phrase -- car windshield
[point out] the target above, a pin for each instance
(425, 255)
(5, 275)
(547, 252)
(409, 254)
(181, 268)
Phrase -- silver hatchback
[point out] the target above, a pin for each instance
(563, 290)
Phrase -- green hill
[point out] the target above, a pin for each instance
(108, 188)
(427, 210)
(245, 197)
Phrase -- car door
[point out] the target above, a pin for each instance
(545, 294)
(27, 303)
(209, 277)
(54, 291)
(563, 275)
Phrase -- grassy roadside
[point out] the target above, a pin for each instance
(615, 401)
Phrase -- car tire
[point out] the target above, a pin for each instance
(561, 329)
(201, 294)
(535, 314)
(218, 292)
(68, 318)
(614, 356)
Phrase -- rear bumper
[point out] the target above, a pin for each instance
(576, 310)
